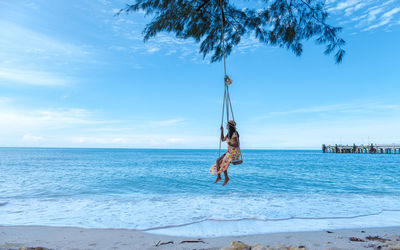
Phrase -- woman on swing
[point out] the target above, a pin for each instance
(233, 152)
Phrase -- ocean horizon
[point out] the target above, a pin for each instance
(170, 191)
(148, 148)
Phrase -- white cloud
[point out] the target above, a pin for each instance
(25, 120)
(66, 116)
(99, 140)
(32, 5)
(117, 48)
(354, 8)
(309, 127)
(341, 5)
(385, 19)
(170, 122)
(390, 13)
(342, 123)
(31, 77)
(51, 127)
(170, 52)
(381, 23)
(152, 50)
(119, 140)
(32, 138)
(314, 109)
(175, 140)
(142, 140)
(365, 14)
(313, 135)
(165, 42)
(34, 57)
(373, 13)
(354, 107)
(81, 128)
(5, 99)
(20, 41)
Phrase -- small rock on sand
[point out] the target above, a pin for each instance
(257, 247)
(356, 239)
(376, 238)
(237, 245)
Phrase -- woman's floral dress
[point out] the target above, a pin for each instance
(232, 154)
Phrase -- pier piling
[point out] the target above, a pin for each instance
(362, 149)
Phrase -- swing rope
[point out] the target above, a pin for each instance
(227, 100)
(222, 122)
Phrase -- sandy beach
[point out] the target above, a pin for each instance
(25, 237)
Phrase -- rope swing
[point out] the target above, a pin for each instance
(226, 104)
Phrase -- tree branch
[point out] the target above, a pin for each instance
(202, 5)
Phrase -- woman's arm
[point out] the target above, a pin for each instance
(223, 138)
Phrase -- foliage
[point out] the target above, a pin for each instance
(284, 23)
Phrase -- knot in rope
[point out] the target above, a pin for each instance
(227, 80)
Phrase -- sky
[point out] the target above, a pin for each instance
(72, 74)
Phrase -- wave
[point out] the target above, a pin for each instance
(3, 204)
(268, 220)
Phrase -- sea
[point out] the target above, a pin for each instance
(171, 192)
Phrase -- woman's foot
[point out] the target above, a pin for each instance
(218, 179)
(225, 181)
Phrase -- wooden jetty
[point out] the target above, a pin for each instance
(362, 149)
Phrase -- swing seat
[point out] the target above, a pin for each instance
(237, 162)
(236, 156)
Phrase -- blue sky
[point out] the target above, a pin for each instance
(73, 75)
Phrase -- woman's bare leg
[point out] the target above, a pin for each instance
(218, 163)
(226, 178)
(218, 178)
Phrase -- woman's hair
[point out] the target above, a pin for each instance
(231, 131)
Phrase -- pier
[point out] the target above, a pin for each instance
(362, 149)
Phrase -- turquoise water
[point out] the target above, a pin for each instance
(171, 191)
